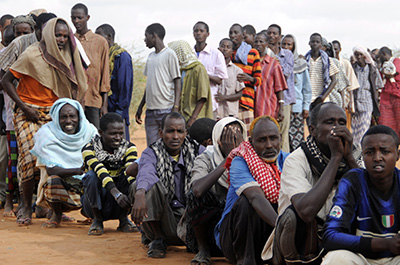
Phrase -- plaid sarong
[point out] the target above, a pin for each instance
(24, 131)
(11, 179)
(65, 191)
(247, 117)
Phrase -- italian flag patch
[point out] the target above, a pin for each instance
(388, 220)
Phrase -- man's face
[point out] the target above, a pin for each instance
(173, 135)
(273, 36)
(315, 43)
(62, 35)
(150, 40)
(329, 116)
(260, 43)
(248, 38)
(112, 137)
(360, 58)
(101, 33)
(337, 49)
(79, 19)
(22, 29)
(69, 119)
(383, 57)
(236, 35)
(6, 23)
(288, 44)
(226, 48)
(380, 155)
(266, 140)
(200, 33)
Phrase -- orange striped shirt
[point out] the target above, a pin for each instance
(252, 68)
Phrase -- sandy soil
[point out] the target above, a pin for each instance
(70, 244)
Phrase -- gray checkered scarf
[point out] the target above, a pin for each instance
(165, 168)
(110, 161)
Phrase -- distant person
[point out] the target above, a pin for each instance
(196, 99)
(121, 73)
(249, 34)
(390, 97)
(163, 84)
(247, 59)
(302, 86)
(23, 25)
(5, 20)
(211, 58)
(98, 73)
(366, 99)
(362, 226)
(230, 90)
(105, 184)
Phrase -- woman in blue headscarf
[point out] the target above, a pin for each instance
(58, 146)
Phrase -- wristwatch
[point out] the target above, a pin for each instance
(117, 195)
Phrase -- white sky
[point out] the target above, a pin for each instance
(371, 23)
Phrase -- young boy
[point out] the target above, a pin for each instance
(363, 224)
(230, 91)
(163, 86)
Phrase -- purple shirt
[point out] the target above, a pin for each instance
(286, 61)
(147, 175)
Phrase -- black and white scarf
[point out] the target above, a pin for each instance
(111, 161)
(165, 169)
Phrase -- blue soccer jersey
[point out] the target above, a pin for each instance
(360, 212)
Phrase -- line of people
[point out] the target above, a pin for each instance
(229, 188)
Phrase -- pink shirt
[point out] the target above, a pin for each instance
(214, 62)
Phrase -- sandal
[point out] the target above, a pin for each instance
(50, 224)
(67, 219)
(157, 249)
(9, 214)
(200, 259)
(95, 230)
(24, 221)
(127, 227)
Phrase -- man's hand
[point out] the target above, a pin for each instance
(219, 97)
(103, 110)
(31, 114)
(123, 202)
(305, 114)
(336, 142)
(316, 102)
(394, 244)
(243, 77)
(139, 210)
(280, 114)
(231, 138)
(138, 116)
(344, 133)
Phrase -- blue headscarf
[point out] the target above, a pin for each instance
(242, 53)
(53, 147)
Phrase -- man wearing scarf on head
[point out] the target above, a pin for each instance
(121, 76)
(196, 101)
(308, 184)
(47, 70)
(209, 186)
(254, 177)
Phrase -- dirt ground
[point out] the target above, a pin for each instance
(70, 244)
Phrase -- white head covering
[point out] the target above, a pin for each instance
(300, 65)
(363, 50)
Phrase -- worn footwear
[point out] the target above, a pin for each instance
(127, 227)
(200, 259)
(157, 249)
(50, 224)
(96, 229)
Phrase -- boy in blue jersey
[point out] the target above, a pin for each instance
(363, 224)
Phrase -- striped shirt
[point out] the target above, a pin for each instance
(253, 68)
(317, 75)
(273, 81)
(14, 50)
(106, 175)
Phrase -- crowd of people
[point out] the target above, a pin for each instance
(228, 169)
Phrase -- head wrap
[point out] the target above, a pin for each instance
(363, 50)
(53, 147)
(24, 19)
(59, 70)
(300, 65)
(184, 53)
(38, 11)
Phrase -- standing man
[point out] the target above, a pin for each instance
(211, 58)
(163, 86)
(98, 73)
(121, 72)
(286, 60)
(390, 96)
(322, 70)
(248, 59)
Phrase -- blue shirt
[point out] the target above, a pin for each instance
(286, 61)
(360, 212)
(302, 85)
(240, 179)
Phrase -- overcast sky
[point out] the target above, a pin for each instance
(352, 22)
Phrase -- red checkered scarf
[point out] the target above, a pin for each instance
(266, 174)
